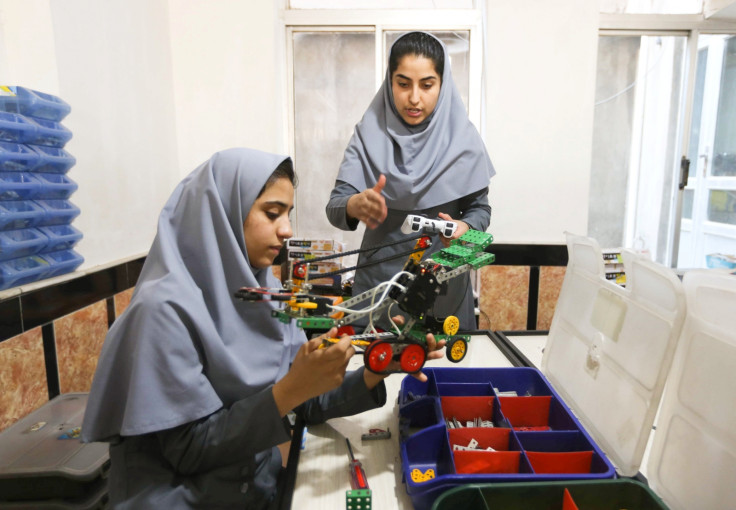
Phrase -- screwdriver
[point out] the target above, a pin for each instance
(357, 474)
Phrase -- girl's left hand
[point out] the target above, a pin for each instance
(462, 227)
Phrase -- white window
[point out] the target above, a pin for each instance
(336, 61)
(665, 99)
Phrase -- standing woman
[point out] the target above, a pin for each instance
(192, 385)
(414, 152)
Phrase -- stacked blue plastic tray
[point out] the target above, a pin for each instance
(36, 235)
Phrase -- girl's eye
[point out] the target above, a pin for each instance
(272, 215)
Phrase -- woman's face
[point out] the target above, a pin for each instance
(416, 88)
(267, 225)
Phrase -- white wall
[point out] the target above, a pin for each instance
(227, 60)
(111, 61)
(156, 86)
(540, 84)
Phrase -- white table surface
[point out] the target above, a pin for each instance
(531, 346)
(323, 470)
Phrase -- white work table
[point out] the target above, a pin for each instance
(530, 345)
(322, 476)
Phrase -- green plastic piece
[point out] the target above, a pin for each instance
(482, 239)
(468, 249)
(281, 316)
(358, 499)
(315, 323)
(483, 259)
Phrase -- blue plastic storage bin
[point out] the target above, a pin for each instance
(49, 133)
(16, 128)
(52, 160)
(32, 268)
(18, 186)
(15, 214)
(534, 436)
(60, 237)
(32, 103)
(61, 262)
(57, 212)
(19, 243)
(54, 186)
(16, 157)
(22, 270)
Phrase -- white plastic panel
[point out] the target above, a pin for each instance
(610, 348)
(693, 459)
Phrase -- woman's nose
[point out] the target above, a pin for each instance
(414, 95)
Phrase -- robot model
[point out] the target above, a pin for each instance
(414, 290)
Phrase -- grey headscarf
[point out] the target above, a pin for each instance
(185, 347)
(436, 162)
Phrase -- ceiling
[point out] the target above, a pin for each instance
(722, 9)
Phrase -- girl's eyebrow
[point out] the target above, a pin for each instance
(280, 204)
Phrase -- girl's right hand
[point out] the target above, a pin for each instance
(313, 372)
(369, 206)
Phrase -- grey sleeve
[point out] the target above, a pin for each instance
(476, 211)
(336, 207)
(253, 424)
(352, 397)
(249, 426)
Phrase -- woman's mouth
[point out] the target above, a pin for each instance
(413, 112)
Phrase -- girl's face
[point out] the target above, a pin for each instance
(416, 88)
(267, 225)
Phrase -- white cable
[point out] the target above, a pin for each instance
(393, 324)
(384, 285)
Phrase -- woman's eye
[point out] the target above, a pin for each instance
(272, 215)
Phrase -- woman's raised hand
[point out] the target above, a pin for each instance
(369, 206)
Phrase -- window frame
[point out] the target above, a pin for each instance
(691, 25)
(378, 21)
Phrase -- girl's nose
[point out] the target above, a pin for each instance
(284, 230)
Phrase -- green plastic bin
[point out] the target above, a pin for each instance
(621, 493)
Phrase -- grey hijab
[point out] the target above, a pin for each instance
(438, 161)
(185, 347)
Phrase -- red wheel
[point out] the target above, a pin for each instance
(378, 356)
(412, 358)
